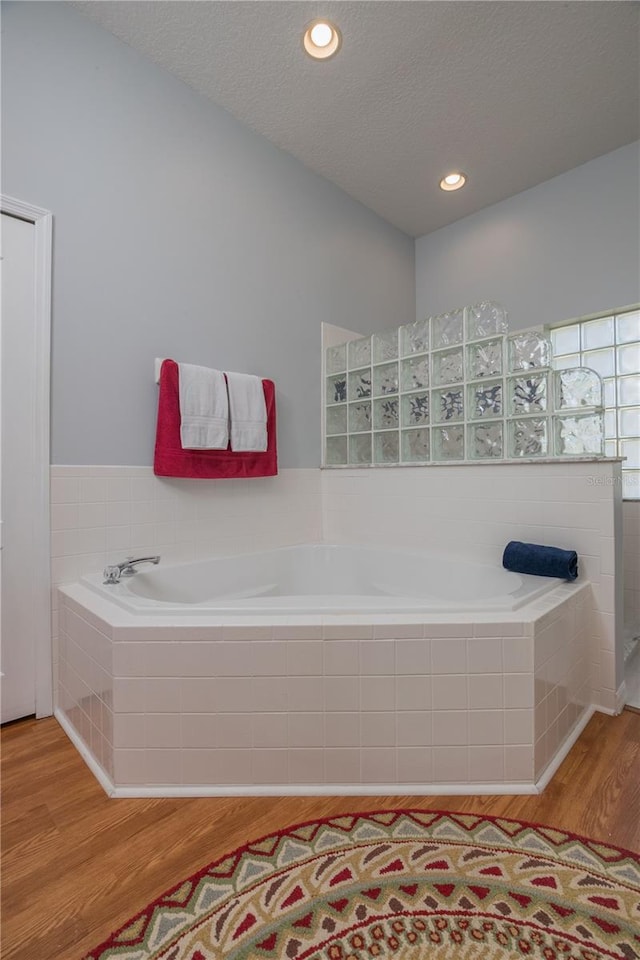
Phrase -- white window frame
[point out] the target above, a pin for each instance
(614, 442)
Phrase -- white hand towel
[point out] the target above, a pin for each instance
(248, 412)
(204, 408)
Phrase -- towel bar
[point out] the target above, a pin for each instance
(158, 364)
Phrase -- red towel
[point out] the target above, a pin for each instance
(172, 461)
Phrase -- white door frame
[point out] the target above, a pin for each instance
(42, 221)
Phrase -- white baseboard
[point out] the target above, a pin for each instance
(621, 697)
(563, 750)
(323, 790)
(620, 701)
(330, 790)
(287, 789)
(105, 781)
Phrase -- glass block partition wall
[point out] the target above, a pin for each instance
(457, 387)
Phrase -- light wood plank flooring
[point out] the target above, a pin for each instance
(77, 865)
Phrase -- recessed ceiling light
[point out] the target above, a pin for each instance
(321, 39)
(453, 181)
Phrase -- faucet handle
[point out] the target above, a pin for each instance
(111, 574)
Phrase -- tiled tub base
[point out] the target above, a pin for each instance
(324, 705)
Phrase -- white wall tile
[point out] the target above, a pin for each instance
(118, 538)
(129, 767)
(449, 655)
(399, 631)
(486, 764)
(564, 504)
(306, 766)
(377, 729)
(163, 731)
(304, 693)
(413, 657)
(200, 766)
(306, 729)
(268, 658)
(484, 655)
(150, 659)
(303, 657)
(518, 763)
(236, 766)
(64, 516)
(377, 657)
(64, 489)
(518, 690)
(269, 729)
(341, 658)
(450, 727)
(518, 726)
(267, 694)
(341, 694)
(342, 729)
(378, 693)
(163, 766)
(129, 731)
(91, 514)
(450, 692)
(342, 765)
(269, 766)
(233, 767)
(486, 692)
(119, 488)
(93, 489)
(99, 511)
(450, 764)
(199, 659)
(129, 695)
(414, 728)
(414, 765)
(164, 695)
(446, 630)
(517, 654)
(378, 765)
(413, 693)
(296, 632)
(338, 632)
(486, 727)
(200, 731)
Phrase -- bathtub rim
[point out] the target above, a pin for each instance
(531, 589)
(106, 613)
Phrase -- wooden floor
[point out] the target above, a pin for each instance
(77, 865)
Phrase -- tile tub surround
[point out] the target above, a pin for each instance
(324, 704)
(102, 514)
(475, 510)
(631, 551)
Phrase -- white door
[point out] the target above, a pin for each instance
(17, 462)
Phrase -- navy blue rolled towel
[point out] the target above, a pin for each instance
(540, 560)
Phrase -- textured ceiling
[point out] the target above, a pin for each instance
(512, 93)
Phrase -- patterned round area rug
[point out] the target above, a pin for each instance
(402, 884)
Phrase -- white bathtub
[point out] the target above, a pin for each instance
(323, 669)
(324, 579)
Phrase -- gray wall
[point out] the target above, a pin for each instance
(177, 232)
(564, 249)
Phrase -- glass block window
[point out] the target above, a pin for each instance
(610, 345)
(459, 387)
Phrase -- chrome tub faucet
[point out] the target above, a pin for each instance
(114, 571)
